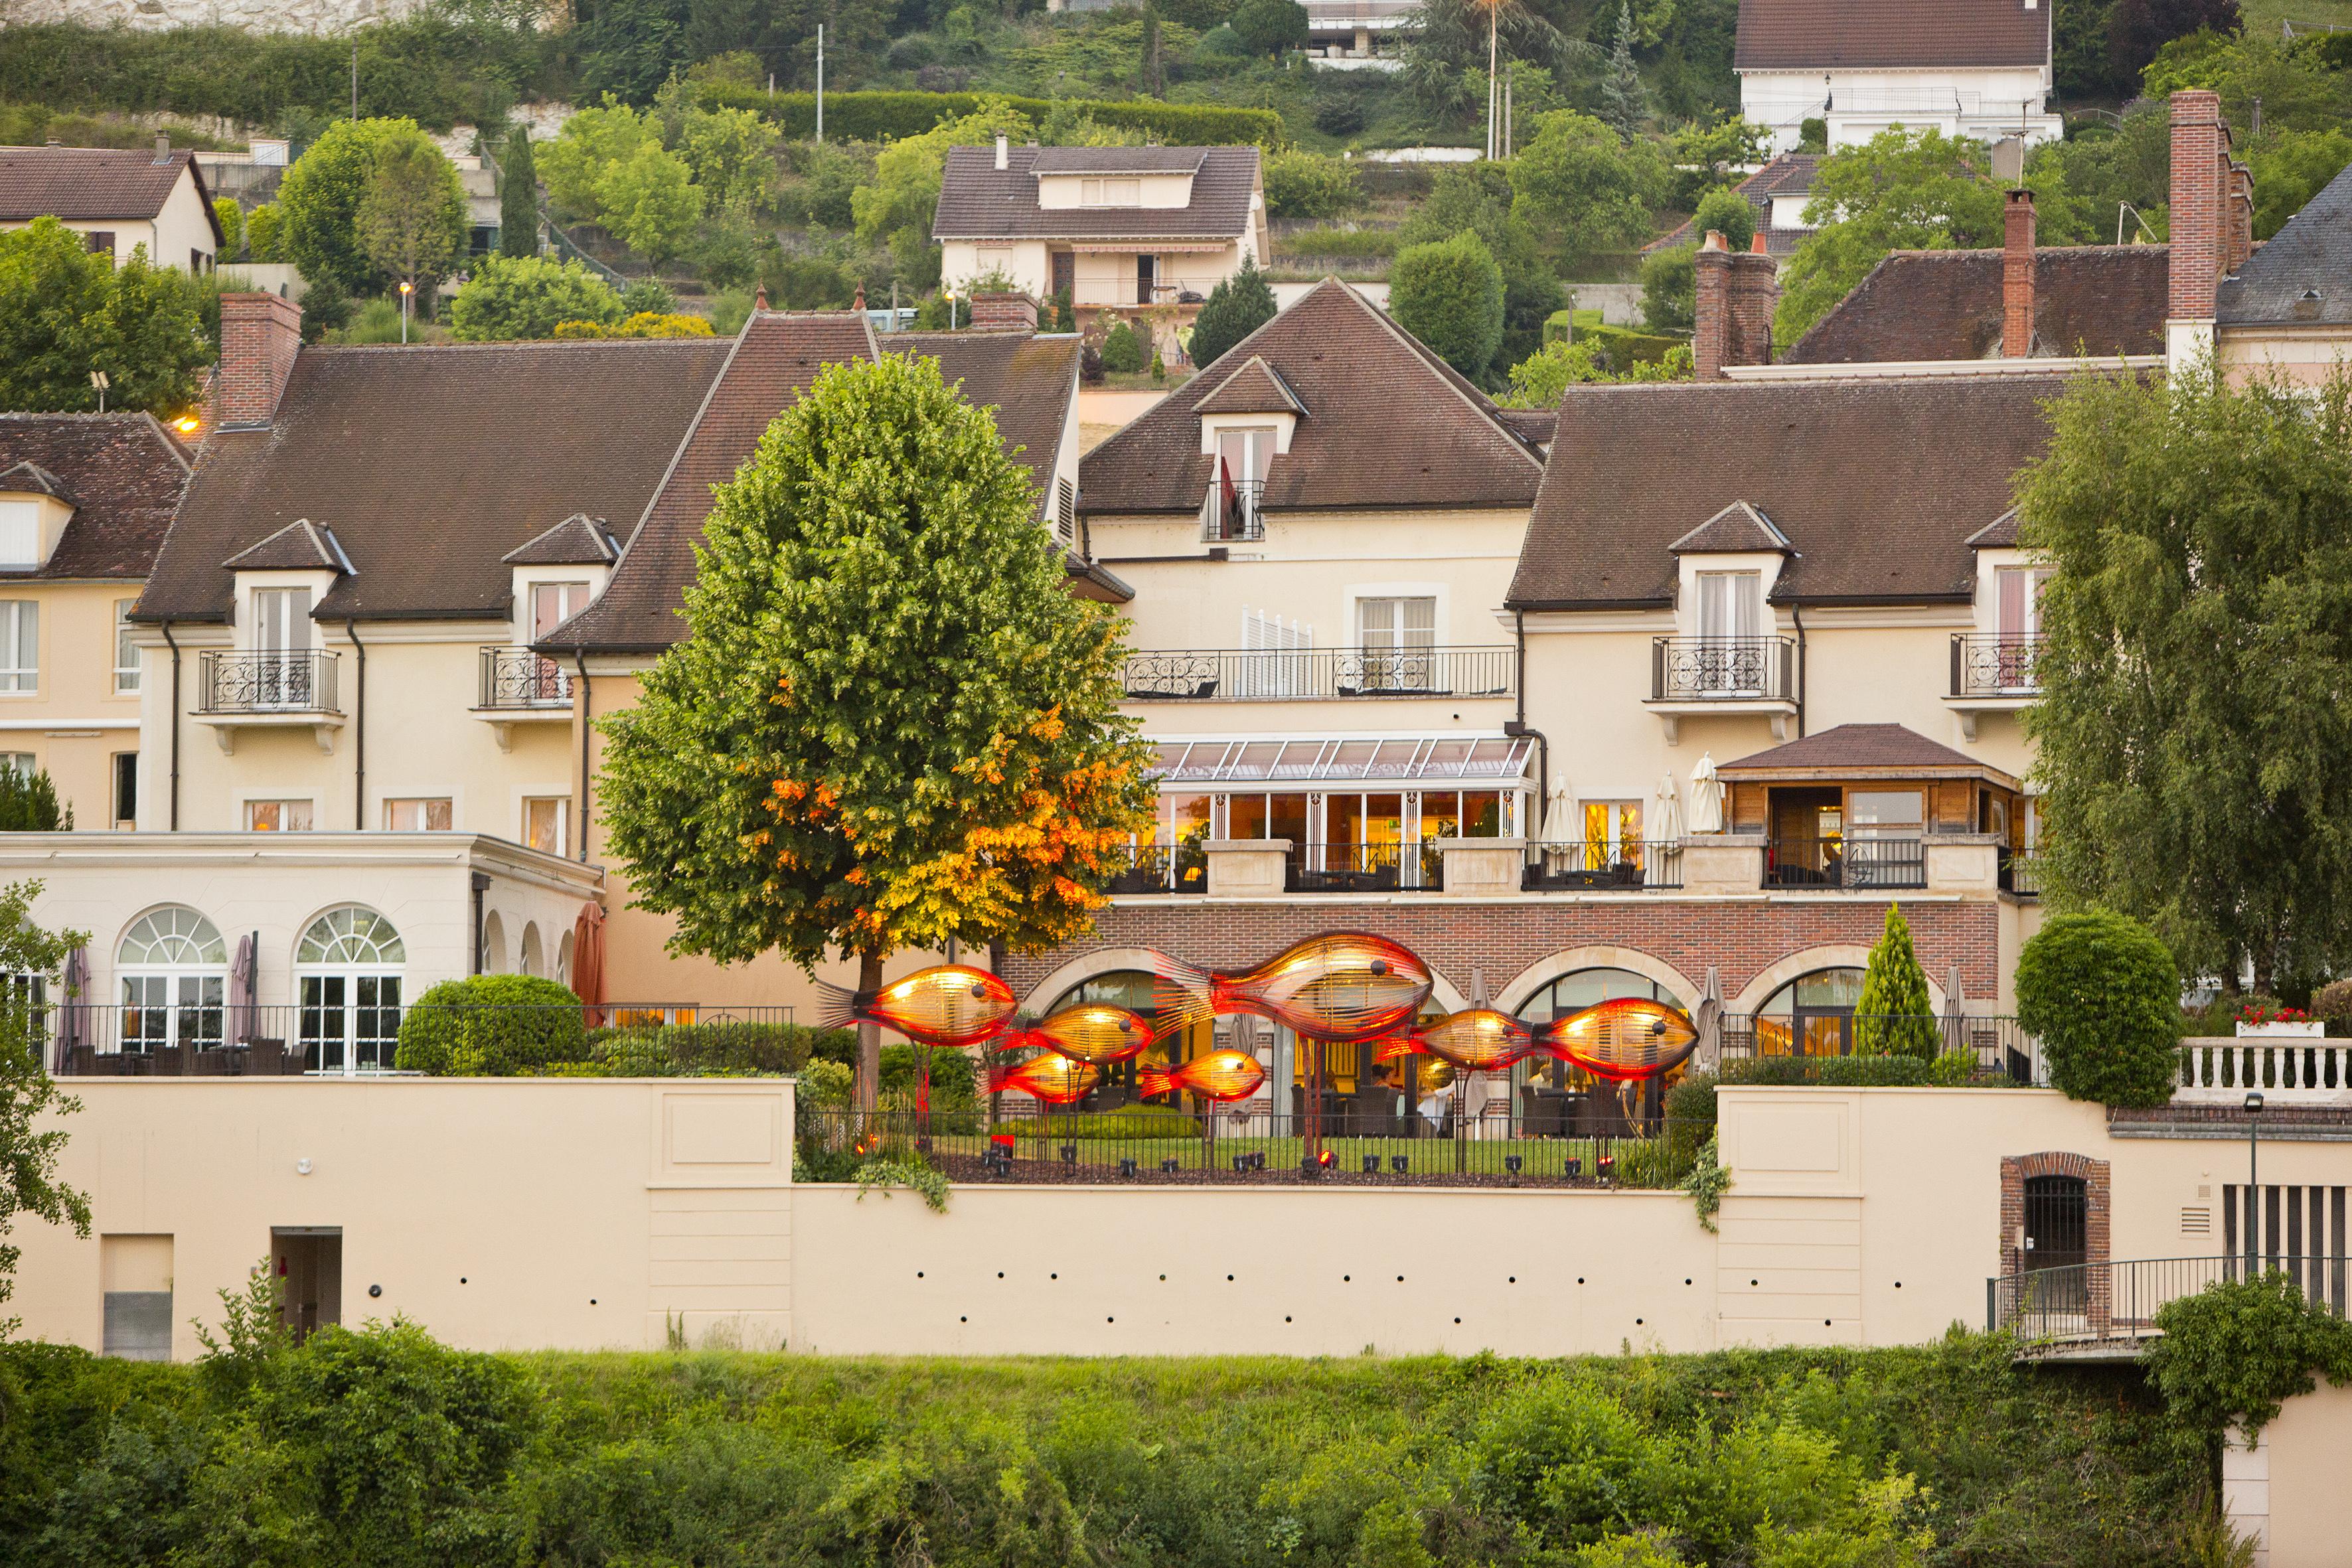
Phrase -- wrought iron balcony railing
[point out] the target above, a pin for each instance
(1161, 868)
(1985, 665)
(2020, 873)
(517, 678)
(1364, 869)
(1723, 669)
(1845, 862)
(1602, 866)
(1231, 513)
(271, 682)
(1200, 675)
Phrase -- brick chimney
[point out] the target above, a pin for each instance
(2017, 276)
(1007, 311)
(1733, 320)
(2241, 219)
(259, 336)
(2200, 204)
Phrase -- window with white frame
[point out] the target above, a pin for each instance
(543, 820)
(20, 645)
(417, 815)
(348, 970)
(173, 969)
(1730, 607)
(1398, 637)
(126, 652)
(20, 533)
(21, 764)
(278, 816)
(1279, 656)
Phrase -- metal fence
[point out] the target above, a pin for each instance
(2116, 1301)
(1604, 866)
(1845, 862)
(1364, 869)
(1809, 1040)
(1989, 665)
(1206, 675)
(1723, 669)
(517, 678)
(1160, 869)
(1241, 1145)
(279, 681)
(1231, 514)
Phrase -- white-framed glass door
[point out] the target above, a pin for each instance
(348, 970)
(281, 641)
(1730, 659)
(2017, 600)
(551, 605)
(171, 973)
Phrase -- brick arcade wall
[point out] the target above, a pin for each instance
(1739, 938)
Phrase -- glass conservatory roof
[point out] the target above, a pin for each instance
(1338, 759)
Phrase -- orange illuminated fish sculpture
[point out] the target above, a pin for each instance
(947, 1004)
(1054, 1078)
(1093, 1032)
(1479, 1040)
(1220, 1075)
(1345, 985)
(1624, 1039)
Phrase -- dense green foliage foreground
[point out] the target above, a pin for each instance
(380, 1448)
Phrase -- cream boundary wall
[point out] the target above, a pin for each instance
(2304, 357)
(500, 1214)
(182, 226)
(74, 722)
(2289, 1489)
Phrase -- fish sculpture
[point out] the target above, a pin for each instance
(1056, 1080)
(1628, 1038)
(1477, 1039)
(947, 1004)
(1093, 1032)
(1220, 1075)
(1344, 986)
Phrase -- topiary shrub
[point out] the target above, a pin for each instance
(1894, 1018)
(1121, 352)
(491, 1025)
(2104, 995)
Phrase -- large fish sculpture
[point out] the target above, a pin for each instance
(1477, 1039)
(947, 1006)
(1220, 1075)
(1093, 1032)
(1345, 986)
(1055, 1079)
(1622, 1040)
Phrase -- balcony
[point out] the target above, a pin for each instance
(2020, 873)
(520, 687)
(1869, 865)
(1364, 869)
(1595, 867)
(1227, 675)
(268, 690)
(1231, 514)
(1691, 676)
(1160, 868)
(1993, 673)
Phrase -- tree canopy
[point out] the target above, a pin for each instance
(2195, 746)
(30, 1102)
(1584, 189)
(1449, 294)
(1477, 198)
(321, 199)
(66, 312)
(529, 297)
(1236, 308)
(519, 196)
(1894, 1017)
(890, 724)
(403, 219)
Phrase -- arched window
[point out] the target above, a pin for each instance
(174, 970)
(494, 944)
(534, 961)
(563, 959)
(347, 972)
(1573, 992)
(1811, 1016)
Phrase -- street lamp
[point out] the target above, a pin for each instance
(2254, 1149)
(98, 379)
(406, 289)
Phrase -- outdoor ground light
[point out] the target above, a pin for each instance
(1371, 1164)
(1169, 1165)
(1575, 1167)
(2253, 1140)
(1514, 1163)
(1069, 1153)
(1127, 1167)
(1241, 1163)
(1398, 1163)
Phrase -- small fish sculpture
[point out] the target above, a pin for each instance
(948, 1006)
(1345, 986)
(1056, 1080)
(1220, 1075)
(1477, 1039)
(1093, 1032)
(1628, 1038)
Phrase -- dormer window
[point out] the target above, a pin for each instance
(1110, 193)
(34, 511)
(1237, 483)
(20, 533)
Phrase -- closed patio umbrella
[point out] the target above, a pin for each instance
(1560, 829)
(1706, 797)
(588, 961)
(241, 986)
(1666, 822)
(73, 1015)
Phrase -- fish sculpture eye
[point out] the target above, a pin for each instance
(1379, 967)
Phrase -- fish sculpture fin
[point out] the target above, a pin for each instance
(1001, 1079)
(1395, 1048)
(1155, 1081)
(1181, 996)
(837, 1006)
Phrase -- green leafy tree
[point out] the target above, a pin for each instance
(650, 202)
(648, 296)
(731, 154)
(589, 144)
(1894, 1017)
(1122, 351)
(1902, 190)
(1300, 183)
(1590, 192)
(865, 744)
(1236, 308)
(64, 311)
(320, 201)
(1449, 294)
(231, 218)
(1066, 314)
(519, 196)
(1477, 198)
(1622, 102)
(1670, 289)
(1270, 27)
(898, 206)
(28, 802)
(1728, 214)
(2290, 167)
(2103, 995)
(2195, 756)
(1543, 378)
(1712, 154)
(30, 1142)
(264, 234)
(412, 222)
(2236, 1350)
(526, 297)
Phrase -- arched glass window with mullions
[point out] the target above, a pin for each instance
(173, 968)
(347, 971)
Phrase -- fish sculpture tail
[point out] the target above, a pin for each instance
(1001, 1079)
(838, 1006)
(1181, 996)
(1395, 1048)
(1155, 1081)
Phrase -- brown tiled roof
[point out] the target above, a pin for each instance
(979, 201)
(1253, 388)
(2300, 275)
(1028, 380)
(1737, 529)
(89, 185)
(123, 473)
(1387, 424)
(1874, 747)
(1788, 174)
(31, 478)
(1876, 483)
(1533, 426)
(299, 546)
(2098, 299)
(578, 540)
(2001, 533)
(1816, 35)
(1113, 160)
(431, 463)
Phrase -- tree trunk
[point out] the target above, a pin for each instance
(869, 1037)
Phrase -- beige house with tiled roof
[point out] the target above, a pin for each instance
(120, 201)
(1979, 68)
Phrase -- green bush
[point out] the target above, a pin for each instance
(1449, 294)
(894, 116)
(1894, 1017)
(2104, 995)
(1300, 183)
(510, 298)
(491, 1025)
(1951, 1070)
(2236, 1351)
(1691, 1101)
(1726, 213)
(721, 1047)
(1669, 289)
(1626, 347)
(1236, 308)
(1121, 351)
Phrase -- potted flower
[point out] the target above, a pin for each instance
(2278, 1022)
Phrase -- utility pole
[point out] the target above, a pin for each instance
(1493, 94)
(355, 76)
(819, 81)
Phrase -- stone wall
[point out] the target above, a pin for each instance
(255, 16)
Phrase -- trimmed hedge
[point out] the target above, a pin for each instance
(491, 1025)
(891, 116)
(1951, 1070)
(729, 1047)
(1626, 347)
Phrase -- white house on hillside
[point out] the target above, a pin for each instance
(117, 200)
(1966, 67)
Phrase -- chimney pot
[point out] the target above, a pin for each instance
(2017, 276)
(260, 335)
(162, 148)
(1755, 245)
(1714, 241)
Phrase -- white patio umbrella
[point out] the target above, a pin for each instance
(1706, 797)
(1560, 828)
(1666, 821)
